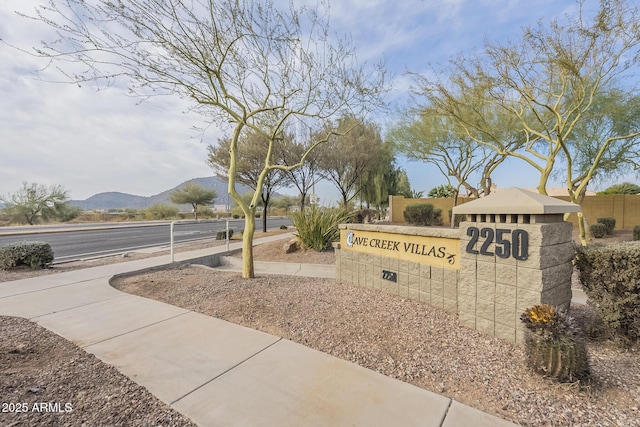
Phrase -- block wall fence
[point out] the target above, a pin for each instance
(625, 208)
(487, 292)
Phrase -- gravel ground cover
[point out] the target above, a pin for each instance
(404, 339)
(410, 341)
(47, 381)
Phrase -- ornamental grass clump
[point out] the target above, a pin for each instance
(317, 227)
(554, 345)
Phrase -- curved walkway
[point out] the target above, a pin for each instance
(216, 372)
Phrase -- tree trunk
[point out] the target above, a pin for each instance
(455, 203)
(264, 216)
(247, 245)
(577, 198)
(265, 203)
(583, 229)
(303, 198)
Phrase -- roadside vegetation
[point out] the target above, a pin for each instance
(556, 98)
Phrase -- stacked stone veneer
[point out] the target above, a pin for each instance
(493, 292)
(488, 293)
(437, 286)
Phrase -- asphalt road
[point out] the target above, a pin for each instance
(91, 240)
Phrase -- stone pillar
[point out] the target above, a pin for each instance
(510, 262)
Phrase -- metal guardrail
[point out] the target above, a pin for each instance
(193, 221)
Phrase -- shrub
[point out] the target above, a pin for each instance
(636, 232)
(237, 213)
(161, 211)
(34, 254)
(423, 214)
(553, 344)
(609, 222)
(67, 212)
(459, 218)
(610, 276)
(598, 230)
(364, 215)
(318, 228)
(222, 234)
(128, 214)
(205, 212)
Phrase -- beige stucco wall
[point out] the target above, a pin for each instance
(625, 208)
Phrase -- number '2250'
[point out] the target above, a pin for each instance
(507, 242)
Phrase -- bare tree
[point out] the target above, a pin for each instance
(305, 177)
(244, 65)
(252, 150)
(549, 86)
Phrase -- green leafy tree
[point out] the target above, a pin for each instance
(379, 180)
(35, 202)
(67, 212)
(402, 184)
(433, 138)
(245, 65)
(286, 202)
(348, 158)
(194, 195)
(624, 188)
(608, 131)
(561, 90)
(443, 191)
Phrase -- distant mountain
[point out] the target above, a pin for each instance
(116, 200)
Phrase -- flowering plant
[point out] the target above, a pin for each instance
(549, 322)
(553, 343)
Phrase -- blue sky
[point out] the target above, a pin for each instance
(91, 142)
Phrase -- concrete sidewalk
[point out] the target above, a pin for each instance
(219, 373)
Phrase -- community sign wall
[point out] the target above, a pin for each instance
(514, 251)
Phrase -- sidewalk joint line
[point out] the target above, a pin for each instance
(52, 287)
(136, 329)
(224, 372)
(74, 307)
(446, 412)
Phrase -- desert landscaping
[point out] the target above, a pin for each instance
(404, 339)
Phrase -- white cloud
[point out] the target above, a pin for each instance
(91, 141)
